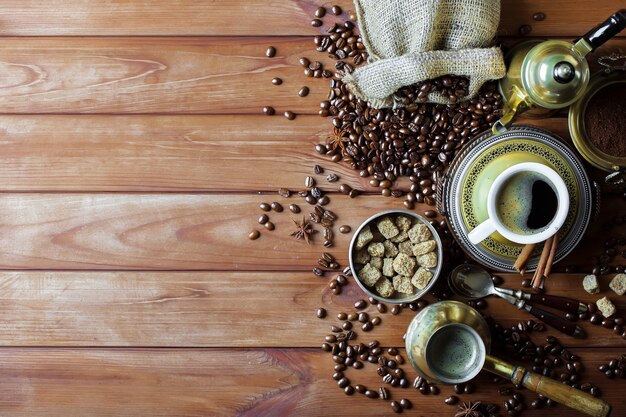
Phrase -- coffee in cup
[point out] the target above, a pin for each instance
(527, 203)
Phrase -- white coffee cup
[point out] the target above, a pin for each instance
(494, 224)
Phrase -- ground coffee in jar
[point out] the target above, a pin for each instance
(605, 120)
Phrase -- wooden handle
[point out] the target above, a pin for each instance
(568, 305)
(566, 395)
(555, 321)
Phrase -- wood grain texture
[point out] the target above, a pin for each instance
(224, 382)
(216, 309)
(184, 232)
(251, 18)
(169, 153)
(217, 75)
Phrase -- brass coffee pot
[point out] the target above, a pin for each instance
(546, 75)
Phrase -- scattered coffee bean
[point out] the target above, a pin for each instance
(396, 407)
(277, 207)
(316, 23)
(525, 30)
(290, 115)
(320, 12)
(360, 304)
(526, 283)
(336, 10)
(254, 235)
(451, 400)
(345, 189)
(406, 404)
(383, 393)
(321, 313)
(309, 182)
(345, 229)
(270, 52)
(284, 192)
(294, 208)
(332, 178)
(269, 110)
(263, 219)
(269, 226)
(539, 16)
(371, 394)
(430, 214)
(318, 272)
(277, 81)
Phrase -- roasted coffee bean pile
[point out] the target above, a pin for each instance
(615, 368)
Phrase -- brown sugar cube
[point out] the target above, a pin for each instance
(391, 250)
(387, 228)
(361, 257)
(364, 237)
(401, 237)
(376, 249)
(384, 287)
(403, 284)
(388, 267)
(369, 275)
(421, 278)
(590, 284)
(428, 260)
(618, 284)
(406, 248)
(419, 233)
(424, 247)
(376, 262)
(403, 223)
(404, 264)
(606, 307)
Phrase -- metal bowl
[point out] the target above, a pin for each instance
(398, 298)
(432, 318)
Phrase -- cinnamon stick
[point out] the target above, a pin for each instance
(523, 257)
(555, 242)
(545, 253)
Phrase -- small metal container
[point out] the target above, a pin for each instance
(397, 298)
(576, 120)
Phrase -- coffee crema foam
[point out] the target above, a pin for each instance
(526, 203)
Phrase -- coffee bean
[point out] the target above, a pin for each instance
(371, 394)
(303, 92)
(353, 316)
(316, 23)
(430, 214)
(277, 207)
(321, 313)
(353, 193)
(526, 283)
(320, 12)
(323, 200)
(525, 30)
(332, 177)
(268, 110)
(396, 407)
(263, 219)
(469, 388)
(360, 304)
(290, 115)
(345, 229)
(269, 226)
(376, 321)
(304, 62)
(383, 393)
(451, 400)
(254, 235)
(395, 310)
(539, 16)
(345, 189)
(270, 52)
(265, 207)
(309, 182)
(336, 10)
(382, 308)
(294, 208)
(277, 81)
(318, 272)
(406, 404)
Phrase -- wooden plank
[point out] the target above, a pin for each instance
(251, 18)
(160, 75)
(216, 309)
(179, 232)
(169, 153)
(201, 382)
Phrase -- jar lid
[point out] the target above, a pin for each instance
(576, 121)
(555, 74)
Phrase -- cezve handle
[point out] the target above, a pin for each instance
(561, 393)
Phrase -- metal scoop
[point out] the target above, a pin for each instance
(471, 282)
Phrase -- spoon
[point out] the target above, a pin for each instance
(471, 282)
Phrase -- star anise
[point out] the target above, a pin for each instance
(469, 409)
(337, 139)
(304, 230)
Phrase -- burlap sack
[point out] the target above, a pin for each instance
(415, 40)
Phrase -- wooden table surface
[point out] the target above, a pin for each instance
(133, 158)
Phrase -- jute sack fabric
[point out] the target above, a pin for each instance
(414, 40)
